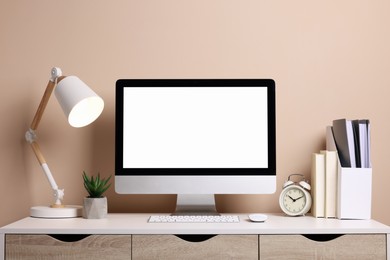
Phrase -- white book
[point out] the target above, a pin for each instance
(330, 183)
(363, 141)
(351, 143)
(369, 143)
(318, 185)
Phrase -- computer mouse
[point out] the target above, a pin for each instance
(257, 217)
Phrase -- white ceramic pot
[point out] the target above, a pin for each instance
(95, 208)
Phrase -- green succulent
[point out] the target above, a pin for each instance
(96, 186)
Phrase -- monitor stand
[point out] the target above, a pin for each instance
(195, 204)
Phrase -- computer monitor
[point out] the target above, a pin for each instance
(195, 137)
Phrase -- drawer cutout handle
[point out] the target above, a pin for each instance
(195, 238)
(69, 237)
(322, 237)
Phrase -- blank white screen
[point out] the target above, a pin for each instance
(195, 127)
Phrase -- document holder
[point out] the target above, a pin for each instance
(354, 193)
(354, 187)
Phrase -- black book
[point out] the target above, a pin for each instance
(345, 142)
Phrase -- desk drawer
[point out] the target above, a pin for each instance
(354, 247)
(195, 247)
(47, 247)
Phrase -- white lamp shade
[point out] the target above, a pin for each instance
(80, 104)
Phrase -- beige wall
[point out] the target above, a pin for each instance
(330, 59)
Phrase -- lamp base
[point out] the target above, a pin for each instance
(69, 211)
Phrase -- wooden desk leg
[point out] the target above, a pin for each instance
(388, 247)
(2, 246)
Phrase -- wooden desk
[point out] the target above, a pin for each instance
(130, 236)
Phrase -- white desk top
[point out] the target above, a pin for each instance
(137, 224)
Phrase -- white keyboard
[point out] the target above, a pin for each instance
(194, 219)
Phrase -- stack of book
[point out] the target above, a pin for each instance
(347, 144)
(324, 184)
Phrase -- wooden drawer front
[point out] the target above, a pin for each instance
(344, 247)
(47, 247)
(218, 247)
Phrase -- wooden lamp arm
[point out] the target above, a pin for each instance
(58, 193)
(31, 136)
(44, 101)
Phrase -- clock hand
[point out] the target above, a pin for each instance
(291, 198)
(299, 198)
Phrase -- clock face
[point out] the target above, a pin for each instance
(293, 201)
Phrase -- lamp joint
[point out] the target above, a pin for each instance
(55, 73)
(30, 136)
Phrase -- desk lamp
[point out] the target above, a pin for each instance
(81, 106)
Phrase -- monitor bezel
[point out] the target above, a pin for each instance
(121, 84)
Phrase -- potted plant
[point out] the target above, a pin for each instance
(95, 205)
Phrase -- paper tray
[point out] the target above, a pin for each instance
(354, 193)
